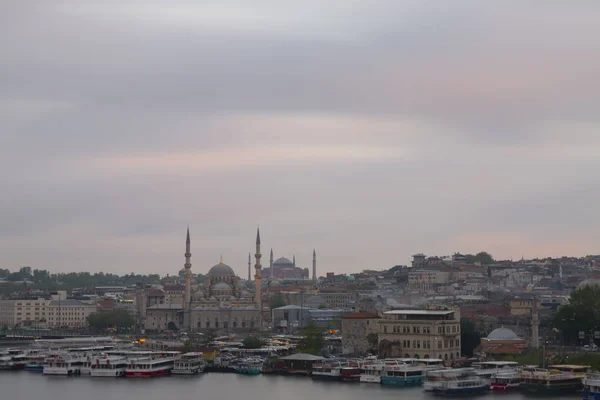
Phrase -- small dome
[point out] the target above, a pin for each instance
(351, 278)
(594, 281)
(221, 270)
(221, 286)
(502, 334)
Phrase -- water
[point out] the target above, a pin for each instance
(212, 386)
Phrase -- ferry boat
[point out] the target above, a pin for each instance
(402, 373)
(567, 379)
(35, 360)
(12, 359)
(328, 370)
(591, 386)
(108, 366)
(455, 381)
(249, 366)
(155, 364)
(488, 369)
(62, 364)
(506, 380)
(371, 371)
(350, 373)
(188, 364)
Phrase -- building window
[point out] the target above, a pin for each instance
(440, 344)
(385, 329)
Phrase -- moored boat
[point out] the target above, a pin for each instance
(402, 373)
(188, 364)
(505, 381)
(154, 364)
(328, 370)
(64, 364)
(591, 386)
(106, 366)
(536, 380)
(371, 371)
(455, 381)
(12, 359)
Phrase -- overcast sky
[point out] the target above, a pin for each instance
(369, 130)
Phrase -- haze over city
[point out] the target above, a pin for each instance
(368, 131)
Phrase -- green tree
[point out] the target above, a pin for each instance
(469, 337)
(580, 314)
(484, 258)
(373, 340)
(276, 302)
(253, 342)
(322, 306)
(121, 320)
(312, 340)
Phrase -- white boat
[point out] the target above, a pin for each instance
(11, 359)
(188, 364)
(35, 360)
(455, 381)
(591, 386)
(108, 366)
(371, 371)
(156, 364)
(488, 369)
(62, 364)
(506, 380)
(328, 370)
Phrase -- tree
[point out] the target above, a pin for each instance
(276, 302)
(253, 342)
(580, 314)
(469, 337)
(322, 306)
(373, 340)
(484, 258)
(312, 340)
(120, 320)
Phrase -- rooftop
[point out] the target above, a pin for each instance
(360, 315)
(419, 312)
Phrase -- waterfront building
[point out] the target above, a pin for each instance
(45, 313)
(429, 333)
(290, 318)
(356, 328)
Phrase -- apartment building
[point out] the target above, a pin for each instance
(428, 333)
(23, 312)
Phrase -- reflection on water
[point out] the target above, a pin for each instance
(26, 385)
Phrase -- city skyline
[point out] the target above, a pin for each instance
(366, 132)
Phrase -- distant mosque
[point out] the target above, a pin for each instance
(284, 268)
(223, 302)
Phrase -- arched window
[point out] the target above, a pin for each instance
(446, 356)
(235, 324)
(207, 324)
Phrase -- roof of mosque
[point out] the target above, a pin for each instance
(283, 261)
(221, 269)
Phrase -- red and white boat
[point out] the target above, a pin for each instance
(506, 381)
(157, 364)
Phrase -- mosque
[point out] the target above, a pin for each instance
(223, 301)
(284, 268)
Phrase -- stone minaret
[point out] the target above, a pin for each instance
(249, 267)
(271, 265)
(257, 267)
(535, 325)
(294, 260)
(188, 271)
(314, 265)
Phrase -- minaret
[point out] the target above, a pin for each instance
(314, 265)
(257, 267)
(294, 260)
(249, 267)
(535, 325)
(271, 265)
(188, 271)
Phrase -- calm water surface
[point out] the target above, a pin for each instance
(25, 385)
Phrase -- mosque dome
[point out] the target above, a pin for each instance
(351, 278)
(502, 334)
(594, 281)
(221, 270)
(282, 261)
